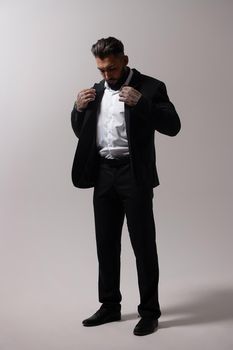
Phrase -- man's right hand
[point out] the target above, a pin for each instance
(84, 97)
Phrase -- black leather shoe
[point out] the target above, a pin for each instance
(102, 316)
(145, 326)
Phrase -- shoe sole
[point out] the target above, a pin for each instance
(145, 333)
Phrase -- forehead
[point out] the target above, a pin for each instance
(107, 61)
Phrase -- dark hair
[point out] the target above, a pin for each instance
(107, 46)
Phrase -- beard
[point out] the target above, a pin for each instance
(116, 84)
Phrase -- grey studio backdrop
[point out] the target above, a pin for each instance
(48, 262)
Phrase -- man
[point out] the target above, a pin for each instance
(115, 122)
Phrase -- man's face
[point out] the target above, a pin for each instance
(112, 67)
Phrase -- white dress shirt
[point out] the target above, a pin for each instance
(111, 135)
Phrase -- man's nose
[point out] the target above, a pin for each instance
(106, 76)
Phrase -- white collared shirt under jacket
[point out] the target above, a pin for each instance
(111, 135)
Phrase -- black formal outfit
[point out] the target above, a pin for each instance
(124, 187)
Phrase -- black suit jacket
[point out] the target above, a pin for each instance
(154, 111)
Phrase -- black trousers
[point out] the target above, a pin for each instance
(116, 195)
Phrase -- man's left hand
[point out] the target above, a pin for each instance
(129, 95)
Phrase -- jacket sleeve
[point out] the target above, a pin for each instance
(161, 112)
(77, 119)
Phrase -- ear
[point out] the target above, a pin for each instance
(126, 60)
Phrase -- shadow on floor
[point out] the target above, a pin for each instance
(206, 306)
(203, 306)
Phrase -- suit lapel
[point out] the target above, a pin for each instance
(92, 112)
(135, 82)
(99, 92)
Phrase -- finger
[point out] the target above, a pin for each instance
(89, 99)
(91, 91)
(86, 90)
(87, 95)
(123, 91)
(123, 99)
(123, 94)
(127, 89)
